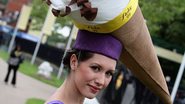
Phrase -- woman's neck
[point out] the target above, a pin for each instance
(69, 93)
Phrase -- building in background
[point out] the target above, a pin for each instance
(11, 9)
(2, 6)
(15, 5)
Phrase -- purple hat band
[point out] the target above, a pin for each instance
(104, 44)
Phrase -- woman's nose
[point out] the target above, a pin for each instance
(100, 80)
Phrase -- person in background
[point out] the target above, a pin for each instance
(114, 93)
(91, 63)
(15, 59)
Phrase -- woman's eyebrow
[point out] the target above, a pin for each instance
(111, 70)
(97, 64)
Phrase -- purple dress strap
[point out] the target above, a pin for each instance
(55, 102)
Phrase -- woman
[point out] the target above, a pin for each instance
(91, 64)
(124, 20)
(14, 61)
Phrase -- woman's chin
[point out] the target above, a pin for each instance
(91, 96)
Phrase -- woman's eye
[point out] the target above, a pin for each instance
(95, 68)
(109, 74)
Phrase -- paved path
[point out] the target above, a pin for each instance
(26, 87)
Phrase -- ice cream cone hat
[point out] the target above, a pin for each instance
(139, 56)
(129, 27)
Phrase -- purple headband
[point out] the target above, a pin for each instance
(104, 44)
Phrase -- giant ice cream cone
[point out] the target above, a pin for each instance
(140, 57)
(129, 27)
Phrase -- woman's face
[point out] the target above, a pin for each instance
(93, 74)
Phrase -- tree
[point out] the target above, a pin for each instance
(39, 13)
(165, 19)
(4, 2)
(38, 16)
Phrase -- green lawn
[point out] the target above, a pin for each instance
(35, 101)
(31, 70)
(3, 55)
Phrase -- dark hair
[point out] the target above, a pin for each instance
(81, 55)
(16, 47)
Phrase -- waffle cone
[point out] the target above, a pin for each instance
(140, 57)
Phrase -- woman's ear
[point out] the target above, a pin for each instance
(73, 62)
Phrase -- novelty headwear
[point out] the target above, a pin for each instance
(104, 44)
(125, 21)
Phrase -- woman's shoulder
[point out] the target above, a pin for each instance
(55, 102)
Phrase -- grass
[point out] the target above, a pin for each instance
(31, 70)
(35, 101)
(3, 55)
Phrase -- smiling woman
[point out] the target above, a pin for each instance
(124, 20)
(91, 64)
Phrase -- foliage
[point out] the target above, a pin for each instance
(4, 1)
(165, 19)
(35, 101)
(39, 12)
(56, 38)
(165, 44)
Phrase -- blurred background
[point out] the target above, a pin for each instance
(44, 38)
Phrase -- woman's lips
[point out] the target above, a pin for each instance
(94, 89)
